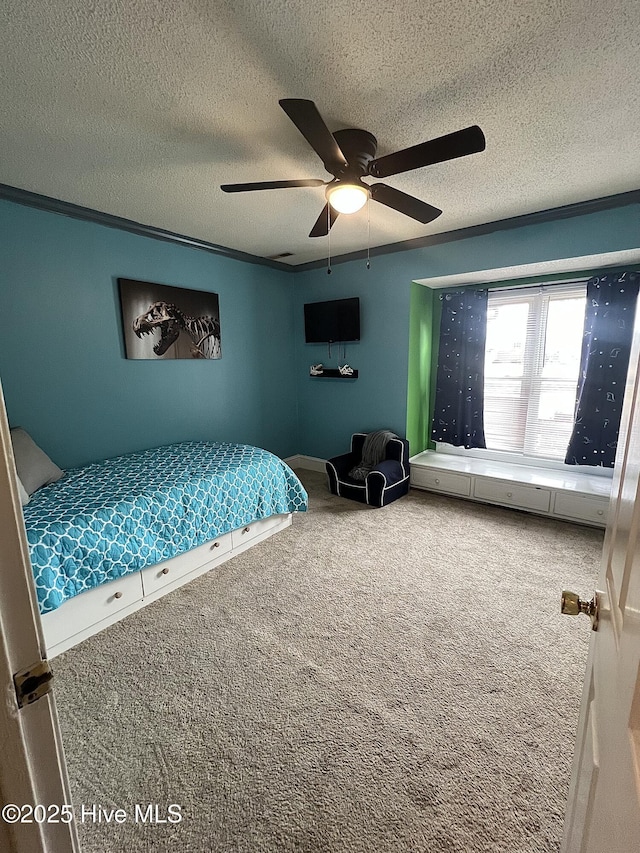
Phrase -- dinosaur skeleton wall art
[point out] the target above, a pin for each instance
(168, 322)
(169, 319)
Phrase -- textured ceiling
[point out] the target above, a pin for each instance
(143, 109)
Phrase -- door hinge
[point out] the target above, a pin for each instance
(32, 683)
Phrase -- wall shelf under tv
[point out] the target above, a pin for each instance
(333, 373)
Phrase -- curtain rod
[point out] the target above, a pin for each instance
(492, 285)
(542, 284)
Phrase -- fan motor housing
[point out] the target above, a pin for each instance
(359, 148)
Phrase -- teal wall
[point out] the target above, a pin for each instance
(329, 410)
(62, 364)
(386, 392)
(66, 379)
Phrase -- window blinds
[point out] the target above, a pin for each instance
(532, 362)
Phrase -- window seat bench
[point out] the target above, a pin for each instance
(568, 495)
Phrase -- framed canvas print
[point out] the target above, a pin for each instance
(161, 321)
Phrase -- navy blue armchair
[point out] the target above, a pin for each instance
(385, 483)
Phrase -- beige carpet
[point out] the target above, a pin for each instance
(366, 681)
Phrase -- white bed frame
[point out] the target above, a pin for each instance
(92, 611)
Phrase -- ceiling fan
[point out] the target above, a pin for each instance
(349, 155)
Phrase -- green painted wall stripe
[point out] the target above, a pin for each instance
(419, 404)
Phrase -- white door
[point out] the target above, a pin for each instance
(604, 800)
(32, 767)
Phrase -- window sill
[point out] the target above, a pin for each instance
(516, 460)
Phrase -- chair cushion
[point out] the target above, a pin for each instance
(391, 470)
(373, 451)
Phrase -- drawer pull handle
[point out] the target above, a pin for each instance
(246, 530)
(165, 571)
(437, 480)
(509, 494)
(215, 545)
(600, 512)
(118, 595)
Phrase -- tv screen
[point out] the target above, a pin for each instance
(336, 321)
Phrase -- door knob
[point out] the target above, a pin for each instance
(571, 605)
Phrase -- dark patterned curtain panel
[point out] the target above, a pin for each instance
(608, 328)
(458, 416)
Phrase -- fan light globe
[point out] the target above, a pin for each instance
(347, 198)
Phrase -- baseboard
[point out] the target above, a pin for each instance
(311, 463)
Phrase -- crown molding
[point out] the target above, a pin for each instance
(87, 214)
(580, 208)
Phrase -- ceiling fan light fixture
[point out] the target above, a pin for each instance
(347, 198)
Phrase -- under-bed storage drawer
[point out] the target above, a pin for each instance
(162, 574)
(90, 607)
(591, 509)
(510, 494)
(243, 535)
(441, 481)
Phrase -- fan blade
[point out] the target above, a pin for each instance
(270, 185)
(323, 223)
(403, 203)
(305, 116)
(458, 144)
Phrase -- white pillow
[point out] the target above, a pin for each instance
(34, 467)
(24, 497)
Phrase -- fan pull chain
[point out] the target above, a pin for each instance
(368, 229)
(329, 237)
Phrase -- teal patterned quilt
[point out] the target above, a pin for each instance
(111, 518)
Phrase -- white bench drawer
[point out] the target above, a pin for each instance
(162, 574)
(441, 481)
(582, 507)
(510, 494)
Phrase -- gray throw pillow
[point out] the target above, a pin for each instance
(34, 467)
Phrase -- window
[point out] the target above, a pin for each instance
(532, 364)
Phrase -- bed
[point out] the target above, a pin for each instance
(111, 536)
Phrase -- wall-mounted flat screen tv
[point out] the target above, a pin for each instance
(336, 321)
